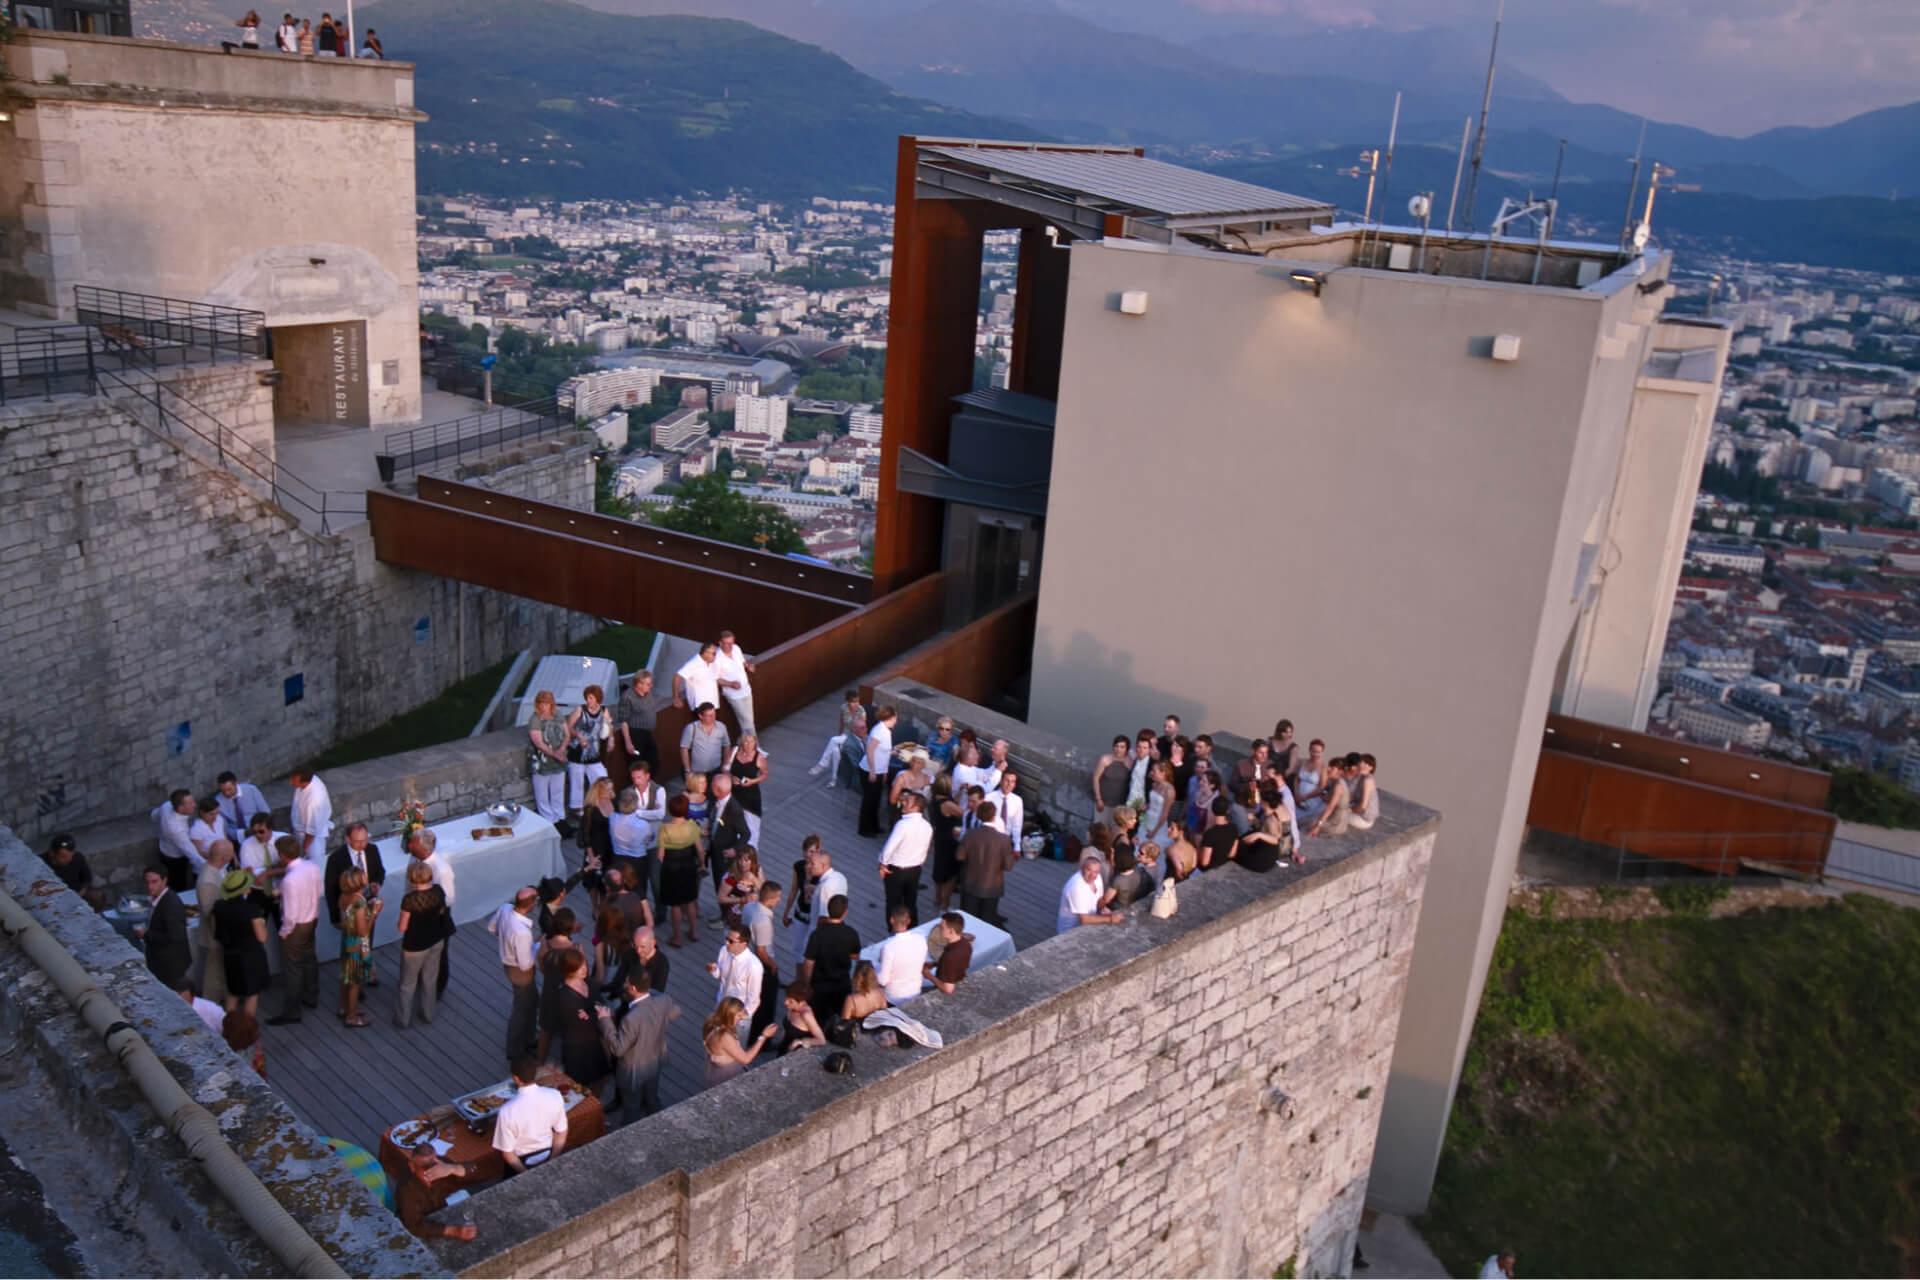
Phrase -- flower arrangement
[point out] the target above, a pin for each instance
(412, 817)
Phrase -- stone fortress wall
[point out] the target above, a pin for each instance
(165, 623)
(1191, 1096)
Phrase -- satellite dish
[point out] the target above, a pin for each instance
(1640, 236)
(1420, 206)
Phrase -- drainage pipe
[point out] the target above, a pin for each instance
(186, 1119)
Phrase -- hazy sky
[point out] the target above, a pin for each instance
(1733, 66)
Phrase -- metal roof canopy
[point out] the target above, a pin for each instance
(1080, 188)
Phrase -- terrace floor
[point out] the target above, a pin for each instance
(353, 1084)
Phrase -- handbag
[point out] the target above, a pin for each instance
(1166, 901)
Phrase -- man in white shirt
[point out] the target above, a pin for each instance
(312, 811)
(1080, 898)
(288, 36)
(421, 845)
(828, 884)
(731, 668)
(873, 782)
(531, 1127)
(256, 851)
(173, 825)
(696, 681)
(238, 802)
(1013, 810)
(739, 974)
(997, 762)
(299, 913)
(902, 957)
(513, 925)
(903, 855)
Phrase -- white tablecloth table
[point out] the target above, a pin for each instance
(990, 945)
(486, 872)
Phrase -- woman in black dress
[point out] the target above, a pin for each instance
(581, 1055)
(553, 952)
(240, 926)
(748, 765)
(681, 852)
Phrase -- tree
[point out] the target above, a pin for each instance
(803, 427)
(708, 507)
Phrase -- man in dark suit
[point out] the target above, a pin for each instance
(169, 950)
(987, 855)
(358, 852)
(730, 830)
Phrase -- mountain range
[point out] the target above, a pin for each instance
(1063, 73)
(546, 97)
(541, 97)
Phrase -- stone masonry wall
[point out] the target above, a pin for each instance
(164, 623)
(448, 779)
(1191, 1096)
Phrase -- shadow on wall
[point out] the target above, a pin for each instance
(1106, 699)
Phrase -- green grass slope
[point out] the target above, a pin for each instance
(1692, 1097)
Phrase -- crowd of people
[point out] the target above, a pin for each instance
(333, 38)
(588, 989)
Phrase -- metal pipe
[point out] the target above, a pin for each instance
(186, 1119)
(1486, 104)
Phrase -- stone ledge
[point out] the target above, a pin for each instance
(302, 1171)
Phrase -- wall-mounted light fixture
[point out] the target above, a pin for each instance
(1314, 280)
(1133, 302)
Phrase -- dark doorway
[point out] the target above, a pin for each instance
(996, 563)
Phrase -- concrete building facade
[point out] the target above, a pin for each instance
(277, 185)
(1450, 603)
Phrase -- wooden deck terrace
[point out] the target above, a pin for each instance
(355, 1083)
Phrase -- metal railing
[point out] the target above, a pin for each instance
(489, 431)
(201, 432)
(118, 331)
(147, 322)
(1637, 855)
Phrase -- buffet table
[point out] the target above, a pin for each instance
(990, 945)
(486, 872)
(471, 1142)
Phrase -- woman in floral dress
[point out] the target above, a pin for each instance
(356, 944)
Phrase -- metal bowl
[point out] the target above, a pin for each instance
(504, 814)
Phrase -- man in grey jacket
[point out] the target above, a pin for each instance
(638, 1044)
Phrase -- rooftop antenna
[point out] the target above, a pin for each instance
(1459, 165)
(1486, 105)
(1633, 184)
(1386, 172)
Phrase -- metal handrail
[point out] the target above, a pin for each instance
(119, 330)
(1727, 864)
(477, 433)
(233, 453)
